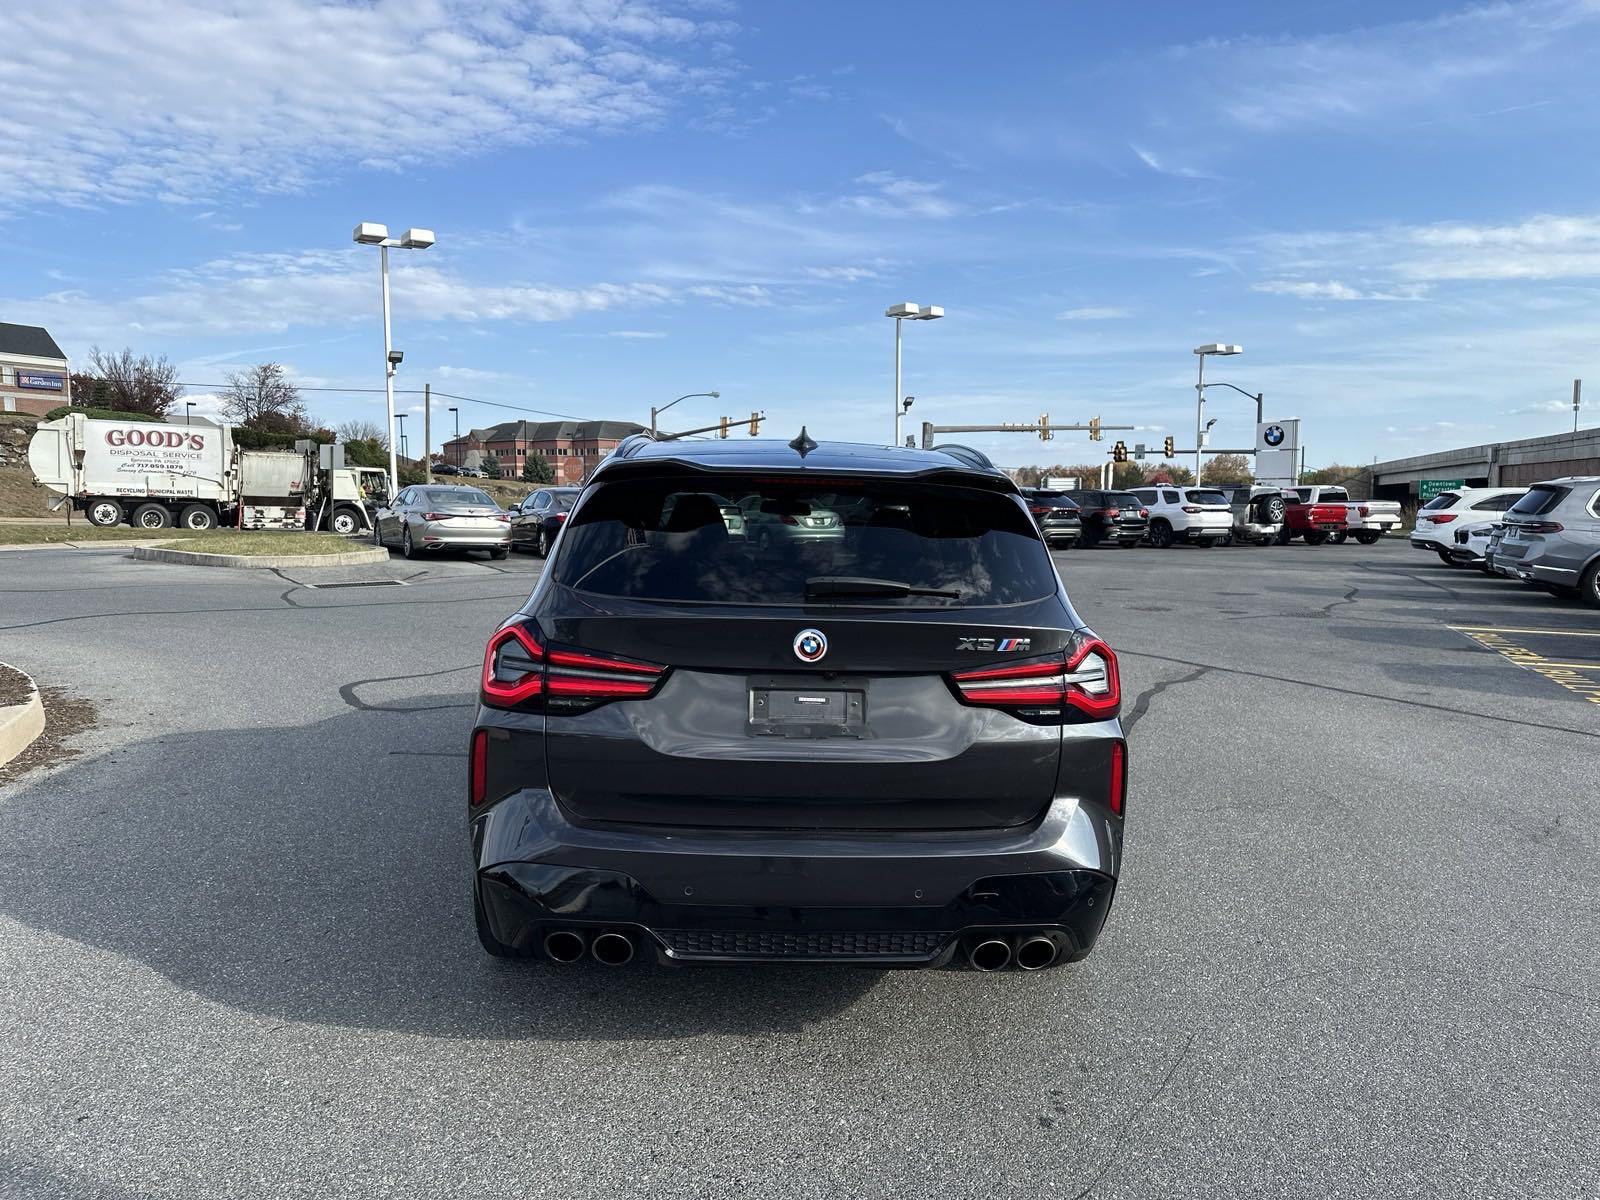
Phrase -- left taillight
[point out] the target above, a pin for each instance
(519, 671)
(1084, 679)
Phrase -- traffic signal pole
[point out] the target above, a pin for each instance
(1042, 427)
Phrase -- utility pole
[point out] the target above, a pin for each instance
(1577, 398)
(427, 432)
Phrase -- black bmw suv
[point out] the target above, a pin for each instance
(896, 744)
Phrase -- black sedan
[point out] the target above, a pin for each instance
(1059, 520)
(536, 521)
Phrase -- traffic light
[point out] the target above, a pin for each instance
(1094, 429)
(1167, 448)
(723, 432)
(1119, 452)
(1044, 427)
(755, 424)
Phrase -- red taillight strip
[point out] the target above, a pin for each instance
(1050, 666)
(504, 694)
(1047, 682)
(571, 658)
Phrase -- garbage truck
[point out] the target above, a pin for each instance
(153, 475)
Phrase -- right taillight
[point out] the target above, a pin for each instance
(1118, 783)
(1086, 679)
(1540, 526)
(1443, 518)
(521, 672)
(1113, 512)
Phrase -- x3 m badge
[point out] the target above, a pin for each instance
(983, 643)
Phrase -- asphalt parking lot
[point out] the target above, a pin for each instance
(1352, 954)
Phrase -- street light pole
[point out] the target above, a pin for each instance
(188, 406)
(1222, 348)
(906, 311)
(372, 233)
(401, 418)
(656, 412)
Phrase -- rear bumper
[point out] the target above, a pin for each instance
(753, 896)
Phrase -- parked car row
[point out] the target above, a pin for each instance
(1163, 515)
(1546, 535)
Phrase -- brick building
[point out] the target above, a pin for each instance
(572, 448)
(33, 371)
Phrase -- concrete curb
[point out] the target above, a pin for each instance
(20, 723)
(90, 545)
(194, 558)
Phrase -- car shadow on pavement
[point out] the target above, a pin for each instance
(321, 873)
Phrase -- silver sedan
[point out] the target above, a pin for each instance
(427, 518)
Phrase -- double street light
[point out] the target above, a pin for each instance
(906, 311)
(1220, 349)
(371, 233)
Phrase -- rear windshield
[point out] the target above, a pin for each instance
(457, 497)
(732, 540)
(1123, 500)
(1442, 500)
(1539, 500)
(1198, 497)
(563, 500)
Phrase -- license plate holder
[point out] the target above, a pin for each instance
(806, 708)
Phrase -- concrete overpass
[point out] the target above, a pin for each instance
(1493, 464)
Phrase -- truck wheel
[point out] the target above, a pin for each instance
(1160, 535)
(1315, 537)
(405, 544)
(500, 552)
(104, 513)
(345, 521)
(197, 516)
(1227, 540)
(151, 516)
(1269, 510)
(1206, 543)
(1284, 537)
(1338, 538)
(1368, 538)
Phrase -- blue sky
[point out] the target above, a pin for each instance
(1392, 206)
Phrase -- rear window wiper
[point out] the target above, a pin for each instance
(850, 585)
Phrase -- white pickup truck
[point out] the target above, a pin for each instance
(1368, 520)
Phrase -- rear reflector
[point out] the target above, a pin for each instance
(478, 783)
(1119, 776)
(518, 671)
(1085, 680)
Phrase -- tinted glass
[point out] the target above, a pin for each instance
(1197, 496)
(1497, 503)
(1442, 500)
(454, 498)
(665, 540)
(562, 501)
(1123, 500)
(1539, 500)
(1170, 497)
(1335, 495)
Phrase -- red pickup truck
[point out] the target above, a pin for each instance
(1312, 521)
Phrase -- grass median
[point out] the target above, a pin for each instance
(217, 541)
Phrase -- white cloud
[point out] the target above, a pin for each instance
(470, 374)
(637, 334)
(206, 98)
(893, 195)
(1542, 247)
(843, 274)
(1094, 313)
(749, 295)
(1545, 406)
(1331, 290)
(1164, 167)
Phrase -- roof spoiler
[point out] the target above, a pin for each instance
(967, 455)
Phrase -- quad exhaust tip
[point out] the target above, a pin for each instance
(1036, 953)
(613, 949)
(564, 946)
(991, 954)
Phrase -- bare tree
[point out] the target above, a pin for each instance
(261, 397)
(141, 385)
(363, 431)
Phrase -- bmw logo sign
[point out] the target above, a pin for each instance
(1273, 435)
(810, 645)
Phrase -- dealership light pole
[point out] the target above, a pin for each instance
(188, 407)
(656, 412)
(401, 418)
(371, 233)
(906, 311)
(1219, 348)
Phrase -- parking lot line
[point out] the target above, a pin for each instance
(1550, 632)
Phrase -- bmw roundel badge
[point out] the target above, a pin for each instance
(810, 645)
(1272, 435)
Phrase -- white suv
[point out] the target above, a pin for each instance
(1179, 514)
(1437, 519)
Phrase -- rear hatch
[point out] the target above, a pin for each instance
(1126, 514)
(798, 683)
(462, 510)
(1528, 522)
(1208, 509)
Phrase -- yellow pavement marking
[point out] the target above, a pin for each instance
(1567, 675)
(1546, 632)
